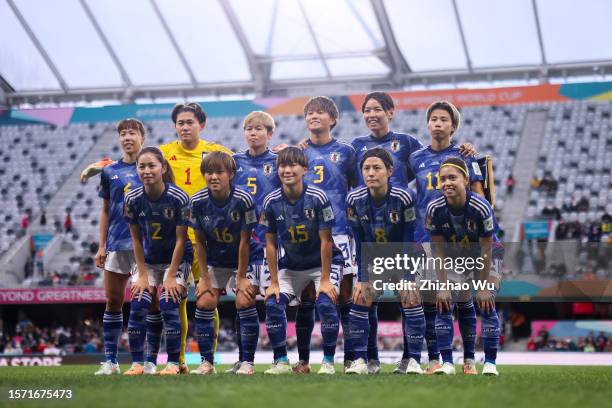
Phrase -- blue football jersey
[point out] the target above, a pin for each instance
(158, 221)
(297, 227)
(392, 220)
(116, 180)
(258, 176)
(465, 226)
(331, 168)
(222, 224)
(400, 145)
(425, 164)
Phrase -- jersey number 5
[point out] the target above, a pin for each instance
(251, 183)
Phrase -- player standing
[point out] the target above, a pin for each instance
(158, 214)
(443, 121)
(115, 253)
(223, 218)
(299, 219)
(256, 173)
(330, 168)
(455, 221)
(381, 213)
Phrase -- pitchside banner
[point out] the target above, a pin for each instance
(555, 271)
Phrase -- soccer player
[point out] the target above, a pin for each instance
(330, 168)
(115, 253)
(158, 214)
(223, 218)
(256, 173)
(185, 158)
(380, 212)
(443, 121)
(298, 219)
(463, 223)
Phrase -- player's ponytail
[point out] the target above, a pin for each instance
(168, 176)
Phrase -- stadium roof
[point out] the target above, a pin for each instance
(78, 51)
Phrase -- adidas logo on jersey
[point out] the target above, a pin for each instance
(280, 218)
(422, 165)
(142, 214)
(115, 177)
(206, 218)
(173, 158)
(363, 149)
(239, 168)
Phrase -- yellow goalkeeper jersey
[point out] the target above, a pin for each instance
(186, 163)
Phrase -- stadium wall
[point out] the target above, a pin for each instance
(293, 105)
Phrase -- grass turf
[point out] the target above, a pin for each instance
(517, 386)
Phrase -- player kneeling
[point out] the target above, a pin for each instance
(463, 224)
(158, 214)
(299, 218)
(223, 218)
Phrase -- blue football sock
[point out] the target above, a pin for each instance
(205, 333)
(430, 331)
(172, 327)
(373, 332)
(137, 326)
(490, 334)
(155, 326)
(344, 310)
(276, 325)
(304, 325)
(466, 315)
(359, 330)
(330, 325)
(444, 332)
(249, 332)
(112, 325)
(414, 331)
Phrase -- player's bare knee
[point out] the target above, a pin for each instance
(207, 301)
(243, 301)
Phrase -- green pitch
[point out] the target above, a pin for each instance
(517, 386)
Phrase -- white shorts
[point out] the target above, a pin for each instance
(157, 274)
(293, 282)
(121, 262)
(346, 244)
(225, 278)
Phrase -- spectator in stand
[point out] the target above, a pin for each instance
(551, 212)
(600, 341)
(43, 219)
(606, 224)
(594, 231)
(568, 205)
(561, 233)
(548, 184)
(583, 204)
(57, 224)
(25, 222)
(510, 183)
(68, 221)
(535, 182)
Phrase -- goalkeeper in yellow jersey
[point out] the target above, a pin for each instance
(185, 157)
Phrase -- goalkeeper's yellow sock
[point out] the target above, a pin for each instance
(184, 329)
(216, 321)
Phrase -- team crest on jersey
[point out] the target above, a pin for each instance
(334, 157)
(168, 213)
(394, 216)
(309, 213)
(267, 169)
(235, 215)
(395, 146)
